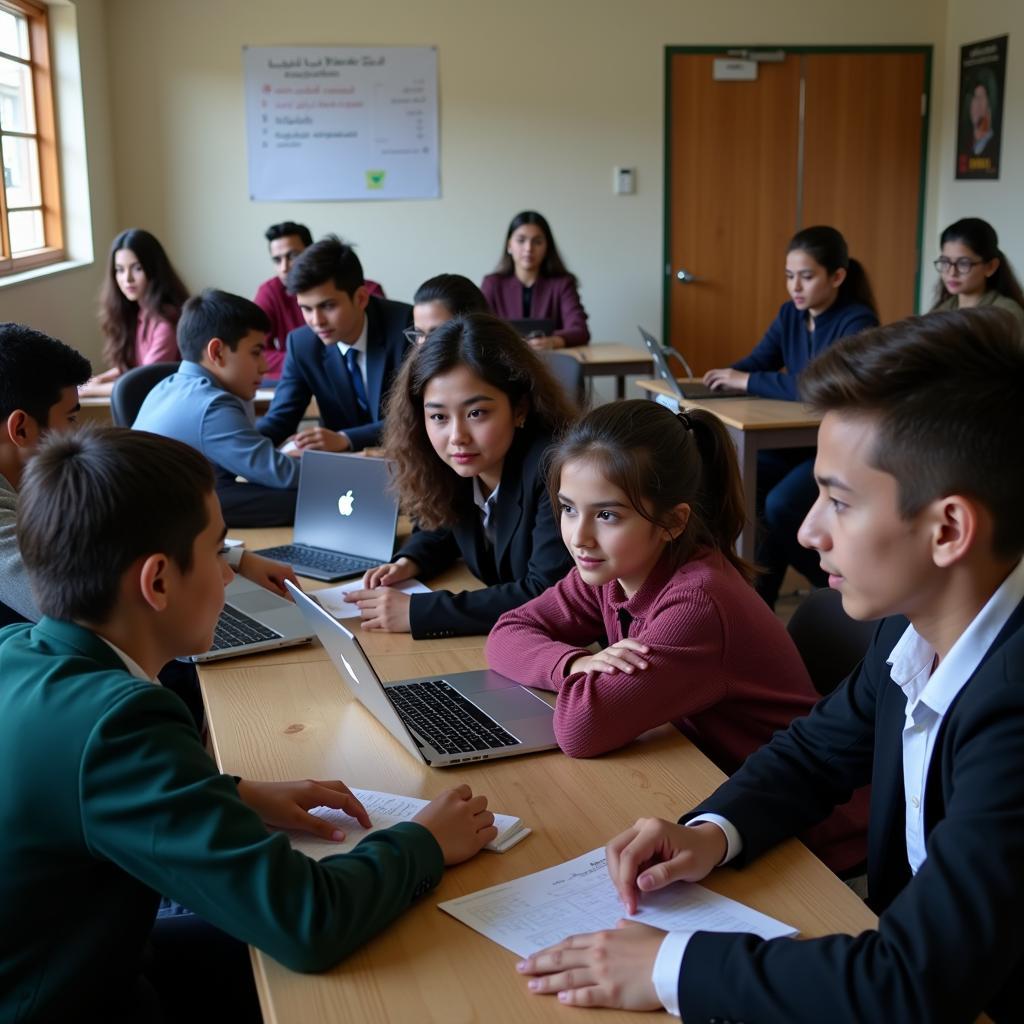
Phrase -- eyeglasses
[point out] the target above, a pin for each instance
(963, 265)
(415, 336)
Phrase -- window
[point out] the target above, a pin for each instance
(30, 218)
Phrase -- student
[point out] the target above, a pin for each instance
(134, 805)
(345, 357)
(650, 506)
(532, 283)
(140, 302)
(830, 299)
(918, 515)
(286, 242)
(468, 421)
(439, 300)
(207, 404)
(974, 272)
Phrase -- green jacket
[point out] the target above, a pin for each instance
(108, 798)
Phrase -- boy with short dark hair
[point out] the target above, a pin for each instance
(918, 515)
(112, 797)
(346, 356)
(207, 403)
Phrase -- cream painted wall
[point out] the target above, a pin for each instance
(1000, 202)
(539, 100)
(63, 304)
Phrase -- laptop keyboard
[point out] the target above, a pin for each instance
(236, 629)
(317, 558)
(449, 722)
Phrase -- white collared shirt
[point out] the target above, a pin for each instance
(360, 345)
(486, 506)
(929, 696)
(134, 668)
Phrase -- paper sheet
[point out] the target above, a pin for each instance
(539, 910)
(333, 600)
(385, 810)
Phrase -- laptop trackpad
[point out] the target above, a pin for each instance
(505, 705)
(255, 601)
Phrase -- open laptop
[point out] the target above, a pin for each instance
(253, 620)
(465, 716)
(533, 328)
(683, 389)
(344, 506)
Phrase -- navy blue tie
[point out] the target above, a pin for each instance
(356, 379)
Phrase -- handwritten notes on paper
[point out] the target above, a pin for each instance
(342, 122)
(539, 910)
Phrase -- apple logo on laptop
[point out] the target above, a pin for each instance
(345, 503)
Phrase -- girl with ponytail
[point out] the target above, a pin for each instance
(650, 506)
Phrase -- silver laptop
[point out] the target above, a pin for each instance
(345, 517)
(683, 389)
(253, 620)
(535, 328)
(466, 716)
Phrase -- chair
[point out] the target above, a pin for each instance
(131, 388)
(830, 643)
(569, 373)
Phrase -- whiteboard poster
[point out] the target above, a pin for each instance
(342, 122)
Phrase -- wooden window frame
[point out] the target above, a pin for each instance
(45, 134)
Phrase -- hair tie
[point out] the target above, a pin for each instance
(684, 418)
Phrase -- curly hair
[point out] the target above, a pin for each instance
(427, 489)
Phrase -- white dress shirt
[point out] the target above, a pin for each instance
(360, 345)
(929, 696)
(486, 506)
(134, 668)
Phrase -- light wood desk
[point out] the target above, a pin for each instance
(276, 719)
(754, 424)
(610, 359)
(96, 405)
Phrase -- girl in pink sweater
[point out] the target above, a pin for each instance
(650, 505)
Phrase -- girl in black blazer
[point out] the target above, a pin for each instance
(467, 423)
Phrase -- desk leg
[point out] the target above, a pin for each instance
(620, 386)
(746, 454)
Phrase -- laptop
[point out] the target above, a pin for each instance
(344, 506)
(253, 620)
(535, 328)
(683, 389)
(465, 716)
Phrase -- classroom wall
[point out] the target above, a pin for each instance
(1000, 202)
(539, 123)
(63, 303)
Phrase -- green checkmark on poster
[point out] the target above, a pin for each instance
(375, 179)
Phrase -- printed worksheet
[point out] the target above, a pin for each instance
(332, 599)
(541, 909)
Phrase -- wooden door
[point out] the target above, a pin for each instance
(745, 172)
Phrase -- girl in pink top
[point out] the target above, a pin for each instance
(650, 505)
(140, 302)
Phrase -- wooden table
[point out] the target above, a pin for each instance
(754, 424)
(96, 406)
(287, 715)
(610, 359)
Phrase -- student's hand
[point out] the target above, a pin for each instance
(389, 574)
(460, 822)
(383, 608)
(610, 968)
(547, 341)
(285, 805)
(320, 439)
(726, 378)
(267, 573)
(623, 656)
(654, 853)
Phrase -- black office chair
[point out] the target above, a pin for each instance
(830, 643)
(8, 616)
(131, 388)
(569, 373)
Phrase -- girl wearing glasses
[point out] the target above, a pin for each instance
(830, 298)
(532, 283)
(974, 272)
(439, 300)
(467, 423)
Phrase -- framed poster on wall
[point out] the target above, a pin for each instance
(982, 96)
(329, 123)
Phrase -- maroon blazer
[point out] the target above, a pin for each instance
(554, 298)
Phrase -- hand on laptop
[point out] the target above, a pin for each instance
(460, 822)
(319, 439)
(545, 341)
(267, 573)
(286, 805)
(726, 378)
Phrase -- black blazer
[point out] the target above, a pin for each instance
(313, 368)
(950, 940)
(527, 558)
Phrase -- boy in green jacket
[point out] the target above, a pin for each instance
(108, 796)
